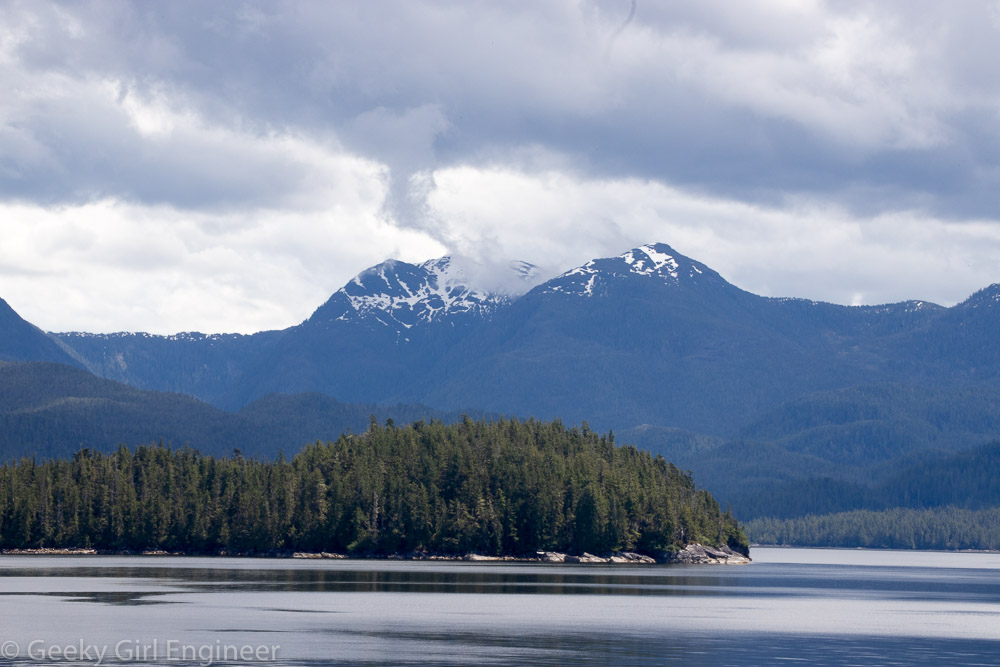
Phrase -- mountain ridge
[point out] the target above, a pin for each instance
(660, 337)
(22, 341)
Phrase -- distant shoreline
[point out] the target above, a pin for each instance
(693, 554)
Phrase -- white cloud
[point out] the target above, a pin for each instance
(109, 266)
(808, 250)
(852, 76)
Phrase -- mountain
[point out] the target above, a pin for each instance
(654, 337)
(383, 327)
(21, 341)
(204, 366)
(400, 296)
(384, 331)
(647, 337)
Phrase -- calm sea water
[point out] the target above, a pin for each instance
(790, 605)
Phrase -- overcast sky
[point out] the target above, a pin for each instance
(226, 166)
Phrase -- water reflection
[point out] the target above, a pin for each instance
(529, 579)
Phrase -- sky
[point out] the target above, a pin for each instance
(226, 166)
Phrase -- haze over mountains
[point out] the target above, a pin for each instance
(750, 392)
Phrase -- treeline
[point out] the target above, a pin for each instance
(899, 528)
(502, 487)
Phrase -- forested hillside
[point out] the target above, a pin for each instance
(899, 528)
(865, 447)
(969, 480)
(503, 487)
(53, 410)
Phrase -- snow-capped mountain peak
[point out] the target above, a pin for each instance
(401, 295)
(650, 260)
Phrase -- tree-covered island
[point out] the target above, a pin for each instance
(503, 487)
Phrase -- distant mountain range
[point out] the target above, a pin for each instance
(749, 392)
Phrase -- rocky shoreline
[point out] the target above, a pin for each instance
(692, 554)
(696, 554)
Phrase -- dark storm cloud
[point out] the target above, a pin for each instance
(875, 106)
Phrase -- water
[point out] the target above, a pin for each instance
(789, 606)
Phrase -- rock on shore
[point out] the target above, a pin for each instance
(692, 554)
(319, 554)
(696, 554)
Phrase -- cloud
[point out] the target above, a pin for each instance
(811, 250)
(868, 105)
(71, 141)
(107, 266)
(404, 142)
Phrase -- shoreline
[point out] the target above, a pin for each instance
(692, 554)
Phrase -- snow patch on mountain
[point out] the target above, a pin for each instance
(647, 260)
